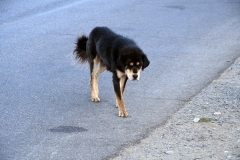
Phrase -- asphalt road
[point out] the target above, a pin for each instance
(45, 105)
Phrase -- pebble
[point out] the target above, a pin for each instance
(169, 152)
(196, 120)
(217, 113)
(229, 157)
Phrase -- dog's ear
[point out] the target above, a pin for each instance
(121, 62)
(146, 62)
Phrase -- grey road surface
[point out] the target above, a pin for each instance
(45, 105)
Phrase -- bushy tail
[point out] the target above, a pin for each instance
(80, 50)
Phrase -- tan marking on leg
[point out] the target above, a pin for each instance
(121, 75)
(119, 101)
(122, 81)
(98, 68)
(101, 68)
(121, 108)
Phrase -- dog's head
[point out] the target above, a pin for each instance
(132, 61)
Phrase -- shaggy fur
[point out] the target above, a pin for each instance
(106, 50)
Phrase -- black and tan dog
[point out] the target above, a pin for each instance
(106, 50)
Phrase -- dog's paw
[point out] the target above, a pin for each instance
(123, 113)
(95, 99)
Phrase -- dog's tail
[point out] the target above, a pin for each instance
(80, 50)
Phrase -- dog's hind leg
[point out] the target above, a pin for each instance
(96, 67)
(93, 79)
(101, 68)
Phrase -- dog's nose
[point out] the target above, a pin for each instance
(135, 76)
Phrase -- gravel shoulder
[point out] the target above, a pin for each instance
(207, 127)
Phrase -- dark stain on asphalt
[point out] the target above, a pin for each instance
(67, 129)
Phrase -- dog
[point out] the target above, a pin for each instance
(106, 50)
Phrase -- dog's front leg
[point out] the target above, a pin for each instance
(119, 95)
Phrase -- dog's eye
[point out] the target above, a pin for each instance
(131, 64)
